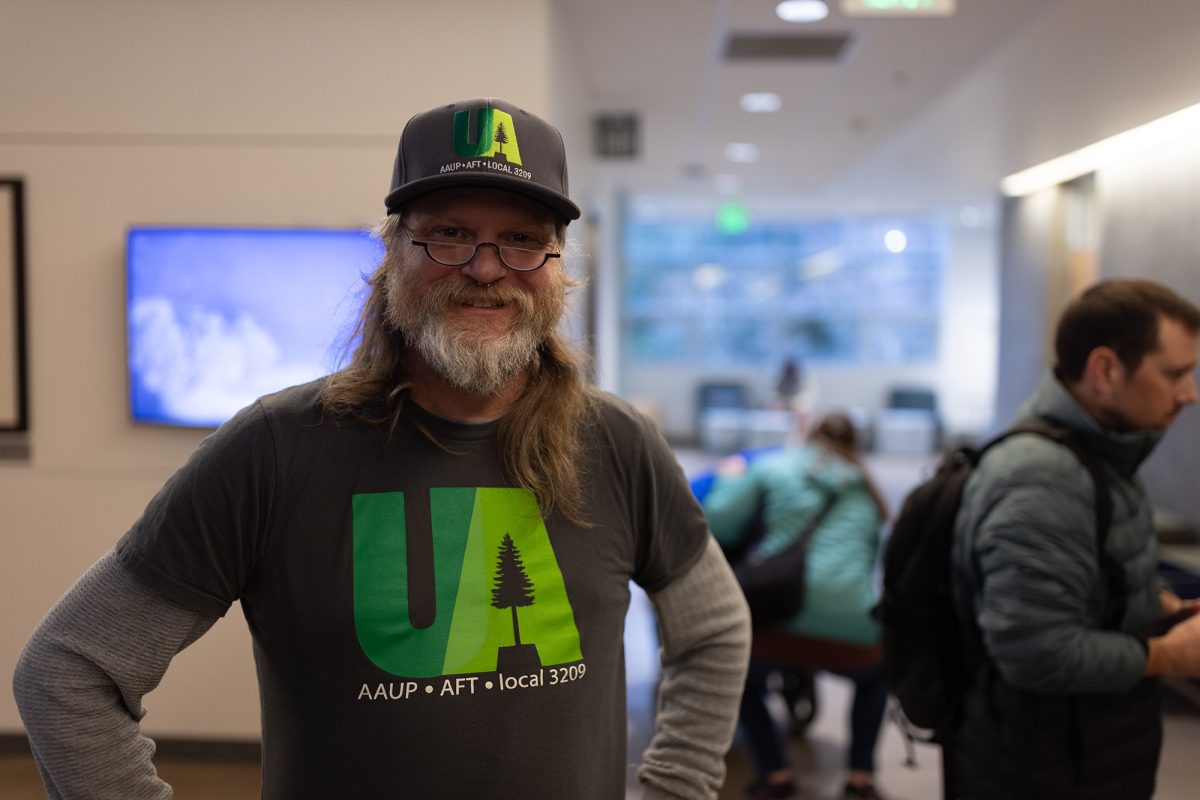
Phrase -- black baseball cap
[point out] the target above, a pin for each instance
(482, 142)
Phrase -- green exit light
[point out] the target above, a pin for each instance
(896, 8)
(732, 218)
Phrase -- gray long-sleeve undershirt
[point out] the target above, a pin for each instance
(705, 628)
(80, 681)
(79, 684)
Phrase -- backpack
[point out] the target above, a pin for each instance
(925, 646)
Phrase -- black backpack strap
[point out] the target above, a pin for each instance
(1114, 573)
(755, 528)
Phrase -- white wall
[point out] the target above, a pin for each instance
(201, 112)
(1031, 247)
(968, 347)
(572, 117)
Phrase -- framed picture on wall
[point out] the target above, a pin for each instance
(14, 409)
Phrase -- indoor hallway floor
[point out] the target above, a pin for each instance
(818, 755)
(191, 780)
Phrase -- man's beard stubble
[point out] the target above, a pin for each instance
(470, 356)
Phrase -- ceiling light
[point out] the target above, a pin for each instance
(895, 241)
(802, 10)
(707, 277)
(1088, 159)
(741, 152)
(761, 102)
(818, 265)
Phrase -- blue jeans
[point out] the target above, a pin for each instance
(866, 718)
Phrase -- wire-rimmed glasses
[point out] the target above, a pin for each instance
(455, 255)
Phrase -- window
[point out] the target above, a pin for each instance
(823, 290)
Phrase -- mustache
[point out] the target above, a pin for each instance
(444, 295)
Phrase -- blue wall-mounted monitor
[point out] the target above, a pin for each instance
(216, 317)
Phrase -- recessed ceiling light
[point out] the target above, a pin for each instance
(761, 102)
(741, 152)
(802, 10)
(895, 241)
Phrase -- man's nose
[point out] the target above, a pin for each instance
(1189, 390)
(485, 266)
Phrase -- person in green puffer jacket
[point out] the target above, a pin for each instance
(795, 484)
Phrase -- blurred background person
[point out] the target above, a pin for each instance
(790, 383)
(834, 631)
(795, 391)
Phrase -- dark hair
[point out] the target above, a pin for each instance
(1122, 315)
(835, 433)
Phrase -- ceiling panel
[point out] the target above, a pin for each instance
(666, 60)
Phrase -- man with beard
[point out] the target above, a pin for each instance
(1070, 625)
(432, 547)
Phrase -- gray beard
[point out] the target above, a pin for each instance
(477, 364)
(474, 364)
(481, 368)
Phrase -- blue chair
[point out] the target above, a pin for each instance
(702, 484)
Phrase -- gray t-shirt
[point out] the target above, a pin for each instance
(419, 629)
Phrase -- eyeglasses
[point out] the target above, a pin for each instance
(455, 255)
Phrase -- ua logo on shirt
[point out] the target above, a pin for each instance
(485, 588)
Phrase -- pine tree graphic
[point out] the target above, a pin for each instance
(513, 587)
(501, 137)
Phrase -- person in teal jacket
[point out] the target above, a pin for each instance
(795, 484)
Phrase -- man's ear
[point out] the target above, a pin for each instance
(1103, 370)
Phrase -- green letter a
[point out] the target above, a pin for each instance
(469, 526)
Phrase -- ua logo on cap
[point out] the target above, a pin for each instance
(494, 132)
